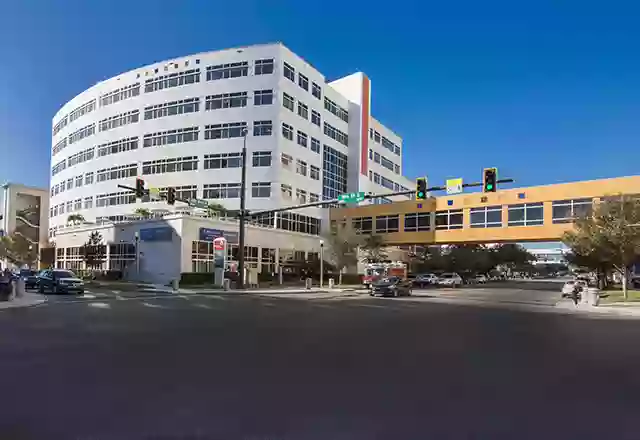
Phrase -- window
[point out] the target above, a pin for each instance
(336, 109)
(286, 191)
(386, 143)
(303, 110)
(314, 172)
(315, 118)
(286, 161)
(303, 82)
(69, 183)
(88, 178)
(261, 189)
(288, 101)
(486, 217)
(362, 225)
(316, 91)
(387, 183)
(386, 163)
(263, 97)
(301, 196)
(88, 202)
(120, 94)
(376, 157)
(396, 150)
(417, 222)
(170, 137)
(79, 181)
(376, 136)
(290, 221)
(449, 219)
(229, 70)
(84, 132)
(225, 131)
(117, 172)
(222, 160)
(184, 192)
(334, 176)
(289, 72)
(119, 146)
(116, 198)
(263, 67)
(336, 134)
(302, 139)
(80, 157)
(221, 191)
(387, 223)
(376, 178)
(60, 125)
(526, 214)
(226, 100)
(565, 211)
(301, 167)
(82, 110)
(119, 120)
(262, 128)
(191, 76)
(287, 131)
(190, 105)
(262, 158)
(69, 206)
(59, 147)
(315, 145)
(396, 168)
(170, 165)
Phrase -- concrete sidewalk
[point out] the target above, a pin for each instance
(616, 309)
(25, 300)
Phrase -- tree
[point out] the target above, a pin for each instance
(142, 213)
(342, 249)
(610, 238)
(513, 257)
(94, 251)
(18, 250)
(215, 210)
(373, 247)
(75, 219)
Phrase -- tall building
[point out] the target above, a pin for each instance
(180, 123)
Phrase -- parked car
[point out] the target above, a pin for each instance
(569, 286)
(425, 279)
(480, 279)
(450, 280)
(59, 281)
(391, 286)
(30, 278)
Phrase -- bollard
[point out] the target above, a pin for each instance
(594, 296)
(20, 288)
(307, 283)
(175, 285)
(331, 283)
(226, 284)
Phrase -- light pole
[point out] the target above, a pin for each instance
(243, 185)
(136, 236)
(321, 262)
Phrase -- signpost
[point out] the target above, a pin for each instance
(198, 203)
(351, 197)
(219, 260)
(454, 186)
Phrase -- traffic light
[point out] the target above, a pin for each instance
(490, 180)
(421, 188)
(171, 196)
(139, 188)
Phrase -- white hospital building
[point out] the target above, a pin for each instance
(180, 122)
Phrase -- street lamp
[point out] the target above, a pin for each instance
(136, 236)
(321, 262)
(243, 185)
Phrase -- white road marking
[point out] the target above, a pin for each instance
(203, 306)
(99, 305)
(88, 296)
(155, 306)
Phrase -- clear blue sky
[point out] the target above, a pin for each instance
(546, 91)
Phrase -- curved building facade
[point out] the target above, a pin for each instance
(179, 123)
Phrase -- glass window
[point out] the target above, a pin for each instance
(387, 223)
(417, 221)
(289, 72)
(486, 217)
(565, 211)
(526, 214)
(449, 219)
(362, 225)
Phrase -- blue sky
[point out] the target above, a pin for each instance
(546, 91)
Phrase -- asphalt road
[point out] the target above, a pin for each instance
(270, 368)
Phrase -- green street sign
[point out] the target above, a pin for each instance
(199, 203)
(351, 197)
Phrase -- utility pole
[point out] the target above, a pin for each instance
(243, 189)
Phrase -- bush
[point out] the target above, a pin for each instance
(195, 278)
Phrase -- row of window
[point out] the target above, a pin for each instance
(301, 138)
(301, 167)
(523, 214)
(387, 163)
(289, 102)
(386, 182)
(289, 72)
(386, 143)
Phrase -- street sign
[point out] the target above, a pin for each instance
(199, 203)
(351, 197)
(454, 186)
(154, 193)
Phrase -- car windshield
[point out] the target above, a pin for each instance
(27, 272)
(64, 274)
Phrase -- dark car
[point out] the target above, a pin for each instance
(391, 286)
(30, 278)
(59, 281)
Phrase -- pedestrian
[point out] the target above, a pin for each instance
(575, 294)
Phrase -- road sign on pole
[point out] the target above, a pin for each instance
(454, 186)
(198, 203)
(351, 197)
(154, 193)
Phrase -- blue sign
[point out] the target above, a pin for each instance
(157, 234)
(209, 234)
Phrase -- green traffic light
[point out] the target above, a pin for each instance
(489, 186)
(420, 194)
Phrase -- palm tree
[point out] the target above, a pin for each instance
(142, 213)
(75, 219)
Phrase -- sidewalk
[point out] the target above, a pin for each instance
(26, 300)
(615, 309)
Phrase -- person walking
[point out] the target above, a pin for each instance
(575, 294)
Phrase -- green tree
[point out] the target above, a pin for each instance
(342, 249)
(610, 238)
(75, 219)
(513, 257)
(216, 210)
(374, 249)
(142, 213)
(18, 250)
(94, 251)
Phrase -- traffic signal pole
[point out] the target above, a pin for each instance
(243, 214)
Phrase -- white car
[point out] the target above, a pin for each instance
(480, 279)
(426, 279)
(450, 280)
(569, 286)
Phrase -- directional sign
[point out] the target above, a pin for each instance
(454, 186)
(199, 203)
(154, 193)
(351, 197)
